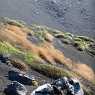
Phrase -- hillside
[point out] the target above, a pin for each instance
(36, 47)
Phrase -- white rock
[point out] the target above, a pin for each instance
(40, 88)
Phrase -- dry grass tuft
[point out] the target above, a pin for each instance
(19, 64)
(80, 68)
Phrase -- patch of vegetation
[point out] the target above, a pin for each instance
(68, 35)
(87, 92)
(52, 31)
(40, 35)
(29, 57)
(16, 55)
(39, 32)
(85, 44)
(7, 20)
(6, 48)
(65, 37)
(93, 82)
(81, 43)
(50, 70)
(85, 38)
(18, 64)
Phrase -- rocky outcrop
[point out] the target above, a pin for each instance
(60, 86)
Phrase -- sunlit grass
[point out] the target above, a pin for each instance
(6, 48)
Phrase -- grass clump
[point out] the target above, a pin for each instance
(19, 64)
(28, 57)
(85, 44)
(40, 35)
(80, 44)
(85, 38)
(9, 21)
(50, 70)
(65, 37)
(7, 48)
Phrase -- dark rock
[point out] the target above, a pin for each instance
(15, 88)
(4, 58)
(22, 78)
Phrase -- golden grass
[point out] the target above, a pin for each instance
(84, 70)
(80, 68)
